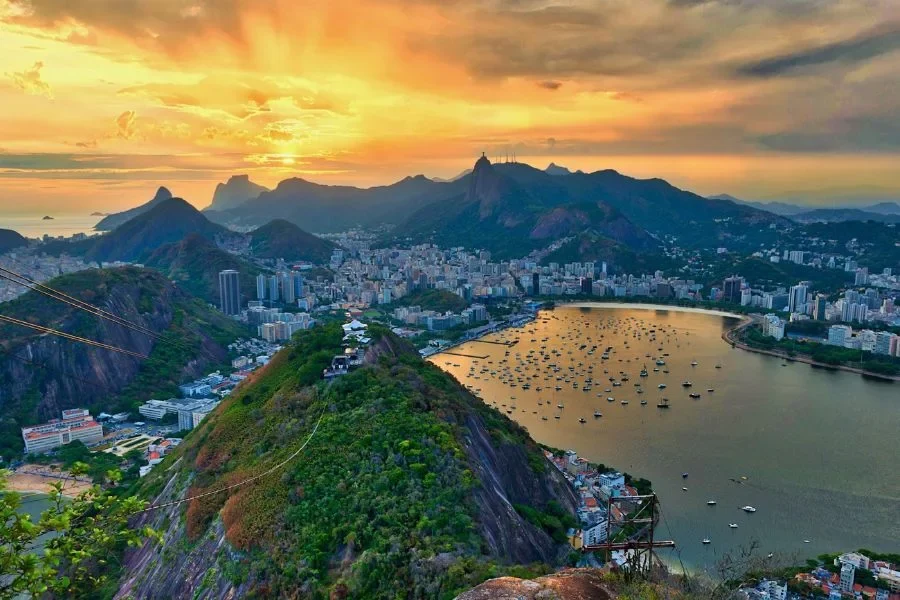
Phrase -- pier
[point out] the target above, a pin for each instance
(493, 342)
(465, 355)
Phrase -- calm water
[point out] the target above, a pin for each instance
(33, 226)
(819, 449)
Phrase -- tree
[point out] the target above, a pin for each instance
(73, 547)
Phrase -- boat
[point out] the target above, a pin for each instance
(707, 541)
(581, 420)
(543, 418)
(748, 509)
(660, 362)
(684, 475)
(610, 399)
(733, 525)
(684, 489)
(624, 402)
(710, 502)
(560, 405)
(661, 386)
(663, 404)
(597, 413)
(693, 363)
(710, 390)
(694, 395)
(718, 366)
(555, 416)
(643, 402)
(686, 383)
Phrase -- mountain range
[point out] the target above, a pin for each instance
(234, 192)
(885, 212)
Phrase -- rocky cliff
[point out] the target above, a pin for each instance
(43, 374)
(409, 483)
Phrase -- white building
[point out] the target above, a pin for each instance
(848, 572)
(76, 424)
(839, 334)
(773, 326)
(595, 534)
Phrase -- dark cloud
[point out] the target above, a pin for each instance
(549, 84)
(860, 48)
(856, 134)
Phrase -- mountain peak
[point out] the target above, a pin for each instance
(234, 192)
(555, 169)
(162, 193)
(482, 163)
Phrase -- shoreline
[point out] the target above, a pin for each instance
(729, 337)
(648, 306)
(34, 483)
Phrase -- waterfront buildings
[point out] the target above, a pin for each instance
(773, 326)
(76, 424)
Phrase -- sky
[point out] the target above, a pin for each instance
(103, 101)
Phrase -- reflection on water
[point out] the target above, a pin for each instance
(818, 448)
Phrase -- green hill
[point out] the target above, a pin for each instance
(409, 486)
(195, 262)
(282, 239)
(438, 300)
(41, 375)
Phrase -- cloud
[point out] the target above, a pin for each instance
(857, 49)
(30, 82)
(549, 84)
(126, 125)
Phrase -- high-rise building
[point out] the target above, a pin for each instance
(536, 284)
(587, 285)
(298, 284)
(230, 292)
(839, 334)
(797, 298)
(286, 282)
(260, 287)
(848, 573)
(274, 295)
(819, 309)
(731, 289)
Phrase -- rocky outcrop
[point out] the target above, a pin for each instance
(234, 192)
(112, 221)
(569, 584)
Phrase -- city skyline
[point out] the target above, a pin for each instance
(757, 100)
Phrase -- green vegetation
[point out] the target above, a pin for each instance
(283, 239)
(66, 552)
(553, 519)
(382, 490)
(823, 353)
(436, 300)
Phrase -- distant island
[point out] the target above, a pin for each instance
(47, 218)
(98, 214)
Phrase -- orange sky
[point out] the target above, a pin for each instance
(104, 101)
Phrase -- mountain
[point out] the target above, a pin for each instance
(459, 175)
(168, 221)
(10, 240)
(114, 220)
(834, 215)
(194, 264)
(554, 169)
(237, 190)
(40, 375)
(396, 480)
(283, 239)
(332, 208)
(884, 208)
(513, 208)
(783, 209)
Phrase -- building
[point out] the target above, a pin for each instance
(587, 285)
(195, 389)
(797, 298)
(260, 287)
(848, 572)
(838, 335)
(773, 326)
(595, 534)
(731, 289)
(230, 292)
(819, 308)
(883, 341)
(76, 424)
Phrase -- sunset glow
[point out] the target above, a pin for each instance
(104, 101)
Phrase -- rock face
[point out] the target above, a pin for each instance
(114, 220)
(569, 584)
(234, 192)
(41, 374)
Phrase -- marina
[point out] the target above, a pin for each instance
(784, 442)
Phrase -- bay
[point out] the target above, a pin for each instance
(818, 448)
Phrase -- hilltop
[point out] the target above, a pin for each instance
(112, 221)
(283, 239)
(409, 483)
(9, 240)
(194, 264)
(51, 374)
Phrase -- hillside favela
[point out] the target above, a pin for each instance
(450, 300)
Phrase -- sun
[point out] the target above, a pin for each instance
(287, 160)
